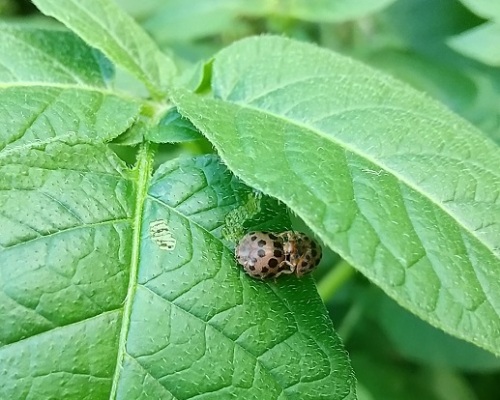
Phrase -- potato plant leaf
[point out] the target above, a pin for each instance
(172, 128)
(484, 8)
(402, 188)
(103, 25)
(66, 96)
(326, 10)
(479, 43)
(211, 329)
(180, 20)
(116, 284)
(114, 312)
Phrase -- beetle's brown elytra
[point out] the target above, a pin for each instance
(268, 255)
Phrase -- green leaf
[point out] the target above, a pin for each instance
(326, 10)
(485, 8)
(66, 96)
(103, 25)
(75, 279)
(173, 128)
(480, 43)
(385, 381)
(36, 55)
(417, 341)
(64, 248)
(471, 94)
(451, 86)
(399, 186)
(247, 339)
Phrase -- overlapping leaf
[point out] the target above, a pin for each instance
(198, 324)
(178, 20)
(186, 320)
(90, 305)
(64, 258)
(326, 10)
(480, 43)
(61, 193)
(66, 96)
(399, 186)
(103, 25)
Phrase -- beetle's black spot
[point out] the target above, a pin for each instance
(251, 267)
(261, 243)
(314, 253)
(273, 237)
(304, 263)
(261, 253)
(253, 238)
(308, 257)
(265, 270)
(277, 244)
(253, 259)
(273, 262)
(278, 253)
(313, 244)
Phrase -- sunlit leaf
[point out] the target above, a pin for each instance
(103, 25)
(398, 185)
(480, 43)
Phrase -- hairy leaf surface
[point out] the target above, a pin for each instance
(116, 285)
(103, 25)
(47, 91)
(402, 188)
(210, 328)
(118, 316)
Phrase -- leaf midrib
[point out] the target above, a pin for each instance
(363, 155)
(145, 160)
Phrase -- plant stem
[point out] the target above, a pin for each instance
(332, 281)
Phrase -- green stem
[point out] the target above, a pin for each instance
(332, 281)
(142, 171)
(350, 321)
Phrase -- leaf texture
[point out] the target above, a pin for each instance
(64, 255)
(54, 93)
(402, 188)
(103, 25)
(212, 330)
(90, 306)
